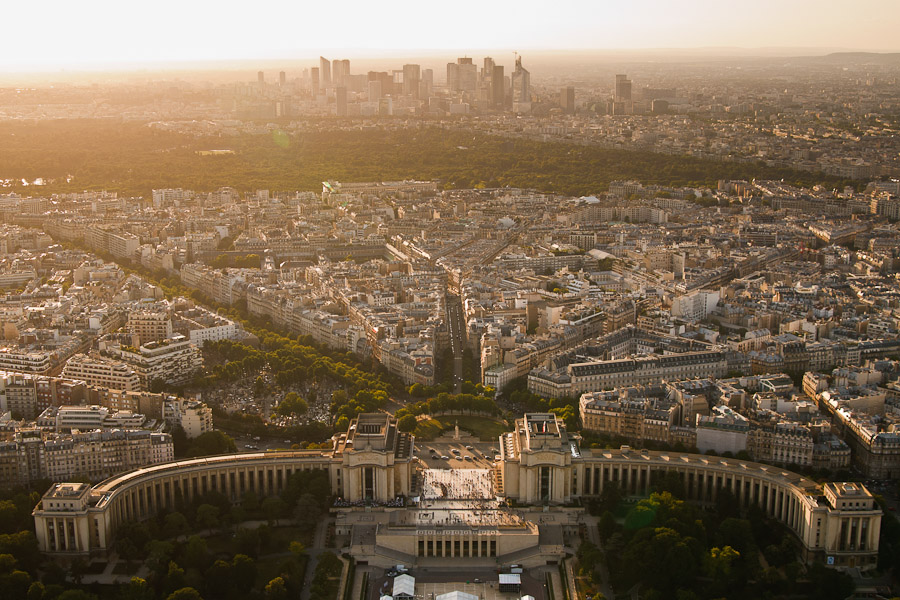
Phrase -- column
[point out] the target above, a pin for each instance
(557, 485)
(873, 533)
(55, 545)
(76, 542)
(843, 528)
(772, 498)
(390, 484)
(61, 523)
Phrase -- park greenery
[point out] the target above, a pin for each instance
(207, 547)
(326, 578)
(132, 159)
(205, 444)
(725, 551)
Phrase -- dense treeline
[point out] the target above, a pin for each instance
(292, 362)
(699, 553)
(450, 403)
(132, 159)
(522, 400)
(326, 578)
(178, 557)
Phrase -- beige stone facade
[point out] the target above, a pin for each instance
(540, 465)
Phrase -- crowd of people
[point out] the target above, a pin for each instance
(398, 502)
(484, 515)
(457, 484)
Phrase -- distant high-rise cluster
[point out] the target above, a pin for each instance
(330, 88)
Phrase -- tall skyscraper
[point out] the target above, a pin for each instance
(386, 79)
(453, 77)
(623, 88)
(411, 78)
(260, 77)
(324, 71)
(622, 102)
(521, 88)
(340, 70)
(491, 90)
(314, 81)
(340, 97)
(498, 87)
(427, 85)
(374, 90)
(462, 76)
(282, 78)
(487, 74)
(468, 75)
(567, 99)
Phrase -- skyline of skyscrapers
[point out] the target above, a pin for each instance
(468, 87)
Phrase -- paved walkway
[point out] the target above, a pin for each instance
(590, 523)
(357, 591)
(556, 582)
(345, 573)
(318, 547)
(570, 579)
(107, 577)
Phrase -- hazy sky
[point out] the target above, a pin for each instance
(53, 34)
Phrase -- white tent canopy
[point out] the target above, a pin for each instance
(404, 586)
(456, 596)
